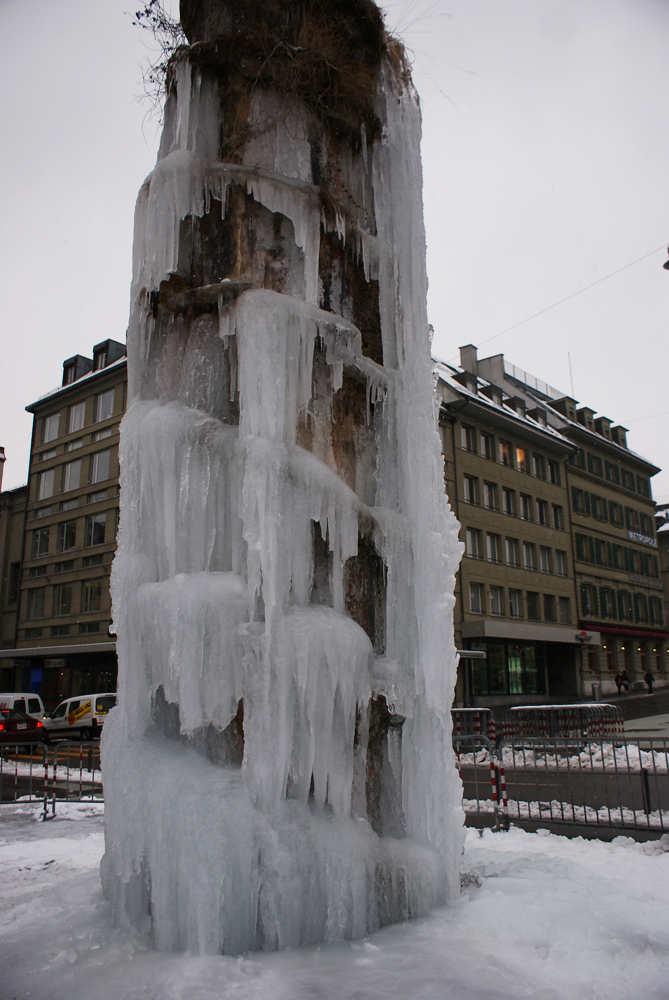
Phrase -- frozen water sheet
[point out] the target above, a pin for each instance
(279, 767)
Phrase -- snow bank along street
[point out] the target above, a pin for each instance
(541, 916)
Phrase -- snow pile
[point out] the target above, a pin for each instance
(540, 916)
(595, 756)
(279, 768)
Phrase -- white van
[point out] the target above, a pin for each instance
(82, 716)
(29, 703)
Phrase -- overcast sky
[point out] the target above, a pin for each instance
(545, 157)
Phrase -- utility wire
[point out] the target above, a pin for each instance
(567, 297)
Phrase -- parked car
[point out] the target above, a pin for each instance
(24, 701)
(19, 727)
(83, 716)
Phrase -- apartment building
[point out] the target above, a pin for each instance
(61, 644)
(515, 589)
(613, 537)
(12, 522)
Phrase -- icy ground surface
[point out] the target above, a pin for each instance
(552, 919)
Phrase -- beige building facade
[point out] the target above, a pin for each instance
(61, 643)
(515, 590)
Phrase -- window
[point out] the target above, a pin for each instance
(496, 600)
(468, 438)
(549, 608)
(32, 633)
(544, 559)
(525, 507)
(515, 603)
(50, 428)
(75, 417)
(101, 435)
(607, 602)
(595, 465)
(85, 627)
(628, 479)
(64, 567)
(68, 504)
(96, 560)
(560, 562)
(616, 514)
(74, 445)
(62, 599)
(612, 473)
(493, 548)
(60, 630)
(529, 555)
(508, 501)
(511, 550)
(599, 507)
(99, 466)
(542, 512)
(476, 598)
(71, 476)
(473, 544)
(533, 606)
(69, 374)
(490, 496)
(522, 460)
(580, 501)
(40, 546)
(505, 453)
(104, 406)
(97, 497)
(539, 466)
(37, 571)
(558, 516)
(554, 473)
(91, 596)
(564, 610)
(487, 446)
(46, 455)
(470, 489)
(589, 602)
(35, 607)
(94, 533)
(45, 484)
(67, 536)
(43, 512)
(100, 360)
(643, 486)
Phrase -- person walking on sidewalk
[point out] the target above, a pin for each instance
(625, 678)
(648, 677)
(619, 683)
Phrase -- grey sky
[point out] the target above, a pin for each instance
(545, 152)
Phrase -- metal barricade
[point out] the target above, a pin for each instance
(604, 783)
(581, 721)
(48, 773)
(473, 722)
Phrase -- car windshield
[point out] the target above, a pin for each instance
(60, 711)
(105, 703)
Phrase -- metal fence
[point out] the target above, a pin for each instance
(50, 773)
(558, 721)
(612, 784)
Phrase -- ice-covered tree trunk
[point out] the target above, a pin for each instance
(279, 768)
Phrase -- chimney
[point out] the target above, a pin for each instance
(469, 359)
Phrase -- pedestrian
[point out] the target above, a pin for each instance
(619, 683)
(648, 677)
(625, 678)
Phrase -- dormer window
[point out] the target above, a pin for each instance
(69, 374)
(100, 359)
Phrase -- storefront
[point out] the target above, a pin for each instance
(60, 672)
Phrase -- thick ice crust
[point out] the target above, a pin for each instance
(279, 768)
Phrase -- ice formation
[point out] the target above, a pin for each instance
(279, 768)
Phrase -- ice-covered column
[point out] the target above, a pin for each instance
(279, 767)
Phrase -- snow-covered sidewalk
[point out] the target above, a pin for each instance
(542, 917)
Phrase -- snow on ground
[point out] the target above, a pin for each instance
(541, 917)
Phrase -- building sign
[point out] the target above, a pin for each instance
(58, 662)
(634, 536)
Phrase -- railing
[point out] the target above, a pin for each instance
(612, 784)
(64, 771)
